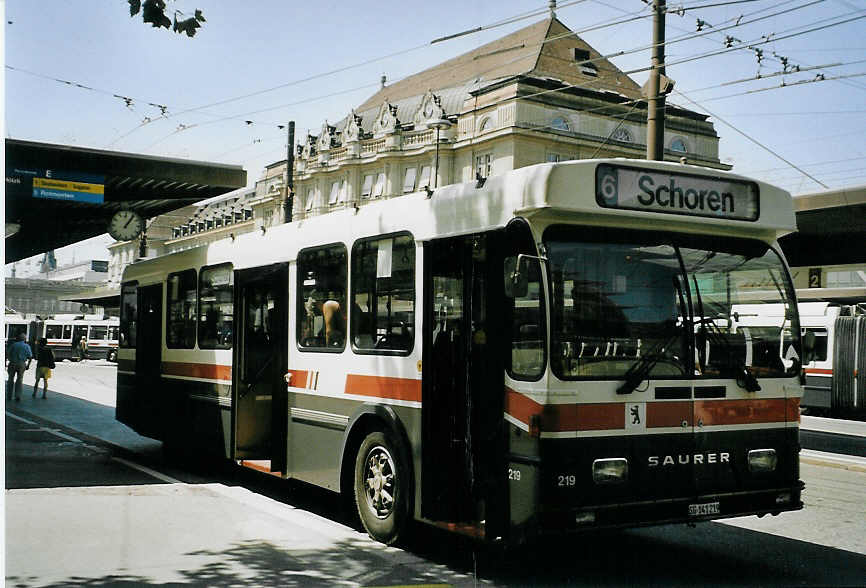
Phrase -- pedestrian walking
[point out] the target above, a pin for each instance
(44, 365)
(19, 362)
(82, 348)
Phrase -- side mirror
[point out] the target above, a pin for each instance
(516, 282)
(808, 346)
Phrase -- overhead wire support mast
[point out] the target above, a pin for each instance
(657, 86)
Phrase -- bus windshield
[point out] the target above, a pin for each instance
(666, 306)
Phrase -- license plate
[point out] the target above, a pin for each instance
(699, 510)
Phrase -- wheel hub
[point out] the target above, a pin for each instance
(380, 481)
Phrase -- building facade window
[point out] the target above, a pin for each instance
(409, 179)
(425, 176)
(483, 165)
(311, 198)
(335, 193)
(621, 134)
(679, 145)
(559, 123)
(486, 125)
(379, 186)
(367, 186)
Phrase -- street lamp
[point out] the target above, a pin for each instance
(438, 124)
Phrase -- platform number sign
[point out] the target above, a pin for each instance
(814, 277)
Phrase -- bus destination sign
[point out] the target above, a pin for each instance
(671, 193)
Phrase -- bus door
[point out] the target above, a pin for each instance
(462, 382)
(79, 331)
(259, 395)
(148, 362)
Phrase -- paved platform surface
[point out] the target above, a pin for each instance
(83, 510)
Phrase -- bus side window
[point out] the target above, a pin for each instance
(128, 316)
(181, 327)
(525, 312)
(216, 307)
(321, 310)
(53, 331)
(383, 295)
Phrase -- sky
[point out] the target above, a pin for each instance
(85, 73)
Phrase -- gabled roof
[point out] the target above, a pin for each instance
(543, 49)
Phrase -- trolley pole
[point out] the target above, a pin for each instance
(657, 87)
(289, 202)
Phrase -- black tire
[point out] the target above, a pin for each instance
(382, 484)
(112, 356)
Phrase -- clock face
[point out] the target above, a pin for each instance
(125, 225)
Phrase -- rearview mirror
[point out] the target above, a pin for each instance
(808, 346)
(516, 282)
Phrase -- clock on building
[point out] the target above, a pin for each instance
(125, 225)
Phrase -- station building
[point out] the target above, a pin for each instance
(540, 94)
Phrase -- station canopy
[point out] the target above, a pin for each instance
(57, 195)
(831, 228)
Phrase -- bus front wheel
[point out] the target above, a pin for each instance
(381, 484)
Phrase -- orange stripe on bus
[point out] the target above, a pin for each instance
(741, 412)
(382, 387)
(611, 415)
(565, 417)
(298, 378)
(793, 414)
(826, 371)
(197, 370)
(583, 417)
(521, 407)
(668, 414)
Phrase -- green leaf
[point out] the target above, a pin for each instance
(134, 7)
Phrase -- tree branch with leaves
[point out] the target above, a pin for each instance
(153, 13)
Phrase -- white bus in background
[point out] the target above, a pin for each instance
(14, 325)
(64, 334)
(835, 373)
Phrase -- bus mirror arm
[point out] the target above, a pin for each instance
(808, 346)
(516, 281)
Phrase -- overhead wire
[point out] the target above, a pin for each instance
(753, 140)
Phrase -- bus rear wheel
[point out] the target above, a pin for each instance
(381, 485)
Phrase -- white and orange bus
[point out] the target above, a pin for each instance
(836, 369)
(552, 350)
(65, 333)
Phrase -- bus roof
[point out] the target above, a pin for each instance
(551, 192)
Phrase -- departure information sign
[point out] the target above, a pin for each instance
(673, 193)
(55, 184)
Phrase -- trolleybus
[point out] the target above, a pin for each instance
(552, 351)
(64, 335)
(836, 371)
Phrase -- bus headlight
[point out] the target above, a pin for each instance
(612, 470)
(762, 460)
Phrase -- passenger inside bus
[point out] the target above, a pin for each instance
(325, 321)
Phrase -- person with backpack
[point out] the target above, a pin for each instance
(44, 365)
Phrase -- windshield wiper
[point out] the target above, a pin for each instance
(741, 372)
(641, 369)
